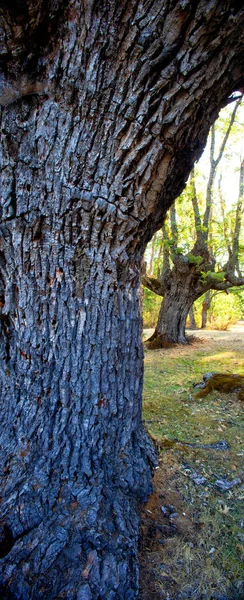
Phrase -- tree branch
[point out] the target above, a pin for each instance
(153, 284)
(226, 137)
(223, 208)
(238, 219)
(173, 224)
(214, 162)
(197, 216)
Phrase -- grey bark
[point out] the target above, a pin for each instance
(179, 294)
(104, 108)
(171, 325)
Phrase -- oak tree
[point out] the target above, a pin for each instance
(105, 106)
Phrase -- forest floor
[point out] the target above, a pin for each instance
(192, 528)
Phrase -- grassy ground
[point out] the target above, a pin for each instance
(192, 534)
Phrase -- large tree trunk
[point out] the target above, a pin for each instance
(104, 108)
(171, 325)
(74, 457)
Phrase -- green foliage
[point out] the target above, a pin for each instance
(204, 275)
(201, 228)
(218, 277)
(194, 260)
(179, 249)
(239, 294)
(224, 311)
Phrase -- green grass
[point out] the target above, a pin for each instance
(175, 418)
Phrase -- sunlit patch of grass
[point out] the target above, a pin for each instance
(225, 358)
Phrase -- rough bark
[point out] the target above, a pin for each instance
(104, 108)
(178, 297)
(171, 325)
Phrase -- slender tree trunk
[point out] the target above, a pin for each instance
(152, 256)
(193, 324)
(205, 307)
(104, 108)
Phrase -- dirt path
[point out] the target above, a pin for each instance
(234, 334)
(212, 339)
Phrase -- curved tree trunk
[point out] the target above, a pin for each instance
(171, 324)
(104, 108)
(181, 290)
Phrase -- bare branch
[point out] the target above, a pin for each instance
(165, 273)
(209, 192)
(223, 209)
(173, 224)
(239, 212)
(214, 162)
(226, 137)
(197, 216)
(152, 257)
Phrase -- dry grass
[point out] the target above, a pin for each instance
(195, 549)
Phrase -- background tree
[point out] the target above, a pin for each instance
(105, 106)
(200, 245)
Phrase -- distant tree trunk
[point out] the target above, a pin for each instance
(152, 256)
(180, 290)
(193, 324)
(176, 304)
(205, 307)
(171, 325)
(104, 108)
